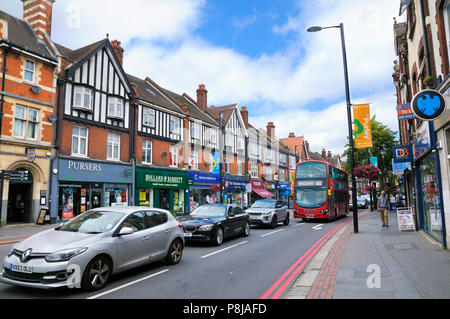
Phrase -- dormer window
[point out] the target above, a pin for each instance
(82, 97)
(115, 107)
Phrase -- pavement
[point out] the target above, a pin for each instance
(14, 233)
(376, 263)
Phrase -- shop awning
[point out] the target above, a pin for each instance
(263, 193)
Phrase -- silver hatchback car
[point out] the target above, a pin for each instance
(88, 249)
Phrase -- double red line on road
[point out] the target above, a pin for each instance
(292, 272)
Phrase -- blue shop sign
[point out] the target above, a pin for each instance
(402, 153)
(284, 186)
(234, 184)
(204, 178)
(92, 171)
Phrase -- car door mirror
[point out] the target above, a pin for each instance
(126, 231)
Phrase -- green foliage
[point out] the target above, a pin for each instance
(383, 140)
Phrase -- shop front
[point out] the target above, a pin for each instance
(259, 191)
(235, 190)
(204, 188)
(163, 188)
(428, 190)
(81, 185)
(281, 191)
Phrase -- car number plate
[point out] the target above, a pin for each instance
(21, 268)
(187, 234)
(309, 215)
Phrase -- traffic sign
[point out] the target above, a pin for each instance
(428, 105)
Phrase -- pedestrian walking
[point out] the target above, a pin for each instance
(382, 207)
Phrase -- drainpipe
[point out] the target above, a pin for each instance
(5, 53)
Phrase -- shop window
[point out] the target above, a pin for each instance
(79, 141)
(147, 152)
(116, 195)
(25, 122)
(115, 107)
(82, 97)
(113, 147)
(29, 71)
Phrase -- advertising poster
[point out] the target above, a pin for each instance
(405, 219)
(435, 219)
(67, 199)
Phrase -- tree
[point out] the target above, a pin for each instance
(383, 139)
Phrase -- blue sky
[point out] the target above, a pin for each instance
(254, 53)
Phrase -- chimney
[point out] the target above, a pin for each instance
(329, 154)
(38, 13)
(307, 146)
(270, 129)
(202, 97)
(118, 50)
(244, 114)
(292, 134)
(324, 153)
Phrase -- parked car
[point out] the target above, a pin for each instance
(362, 202)
(214, 223)
(268, 212)
(99, 243)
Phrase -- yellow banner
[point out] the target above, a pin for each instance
(362, 133)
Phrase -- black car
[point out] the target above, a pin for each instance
(214, 223)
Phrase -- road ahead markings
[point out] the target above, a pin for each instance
(221, 250)
(299, 224)
(276, 231)
(318, 227)
(128, 284)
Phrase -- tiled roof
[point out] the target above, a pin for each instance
(79, 54)
(22, 35)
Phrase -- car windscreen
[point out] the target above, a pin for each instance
(92, 222)
(264, 204)
(209, 211)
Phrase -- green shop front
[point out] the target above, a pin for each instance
(163, 188)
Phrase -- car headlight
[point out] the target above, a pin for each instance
(267, 213)
(64, 255)
(206, 227)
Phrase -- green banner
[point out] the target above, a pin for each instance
(161, 178)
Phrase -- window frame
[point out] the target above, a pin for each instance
(79, 137)
(174, 154)
(254, 170)
(26, 121)
(30, 71)
(113, 144)
(145, 150)
(116, 107)
(174, 125)
(83, 92)
(146, 111)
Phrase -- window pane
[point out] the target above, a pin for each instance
(83, 131)
(87, 100)
(20, 112)
(109, 149)
(74, 145)
(28, 76)
(83, 146)
(31, 132)
(30, 65)
(18, 128)
(33, 115)
(116, 151)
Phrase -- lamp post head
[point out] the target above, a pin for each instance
(314, 29)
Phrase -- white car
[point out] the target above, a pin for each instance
(268, 212)
(93, 246)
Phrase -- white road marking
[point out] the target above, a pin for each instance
(128, 284)
(221, 250)
(299, 224)
(276, 231)
(317, 227)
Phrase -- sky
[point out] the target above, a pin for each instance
(256, 53)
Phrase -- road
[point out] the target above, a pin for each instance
(241, 268)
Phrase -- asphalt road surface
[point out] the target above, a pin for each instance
(262, 265)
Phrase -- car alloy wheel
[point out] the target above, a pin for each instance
(247, 229)
(175, 252)
(97, 273)
(219, 236)
(274, 222)
(286, 220)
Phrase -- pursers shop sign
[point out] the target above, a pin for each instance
(91, 171)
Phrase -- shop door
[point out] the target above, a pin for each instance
(96, 198)
(164, 199)
(19, 202)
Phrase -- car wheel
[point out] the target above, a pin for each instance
(246, 229)
(175, 252)
(287, 219)
(274, 222)
(218, 240)
(97, 273)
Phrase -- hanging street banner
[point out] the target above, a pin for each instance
(428, 105)
(215, 160)
(374, 161)
(404, 112)
(361, 126)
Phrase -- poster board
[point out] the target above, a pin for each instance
(405, 219)
(41, 218)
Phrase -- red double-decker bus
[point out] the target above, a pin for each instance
(320, 191)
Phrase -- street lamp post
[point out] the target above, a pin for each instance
(349, 119)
